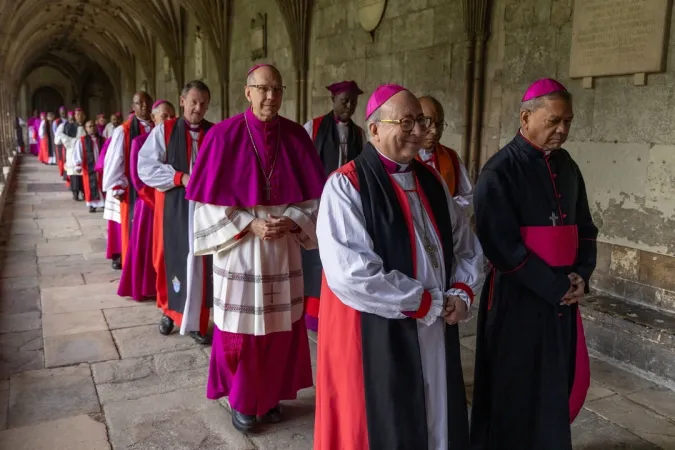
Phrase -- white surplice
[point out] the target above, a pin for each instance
(156, 173)
(77, 160)
(108, 130)
(343, 135)
(42, 132)
(356, 275)
(115, 181)
(464, 196)
(69, 143)
(258, 285)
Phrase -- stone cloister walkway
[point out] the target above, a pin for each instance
(82, 369)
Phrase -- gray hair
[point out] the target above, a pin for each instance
(374, 118)
(535, 103)
(195, 84)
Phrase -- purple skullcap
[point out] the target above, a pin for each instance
(79, 110)
(258, 66)
(383, 93)
(100, 116)
(71, 113)
(157, 103)
(118, 114)
(544, 86)
(62, 108)
(344, 86)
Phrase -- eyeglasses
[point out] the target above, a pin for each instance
(264, 89)
(407, 124)
(439, 125)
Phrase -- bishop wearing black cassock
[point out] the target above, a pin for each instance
(534, 223)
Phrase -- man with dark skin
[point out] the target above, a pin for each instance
(116, 175)
(73, 131)
(444, 159)
(338, 140)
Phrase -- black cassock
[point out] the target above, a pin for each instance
(534, 223)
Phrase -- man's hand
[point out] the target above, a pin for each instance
(274, 228)
(278, 227)
(454, 309)
(576, 291)
(185, 179)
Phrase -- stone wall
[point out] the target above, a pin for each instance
(419, 44)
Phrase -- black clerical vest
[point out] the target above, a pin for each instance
(391, 354)
(176, 220)
(327, 143)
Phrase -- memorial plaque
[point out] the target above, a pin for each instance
(370, 13)
(618, 37)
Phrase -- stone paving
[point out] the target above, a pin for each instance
(82, 369)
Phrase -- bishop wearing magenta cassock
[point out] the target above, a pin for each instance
(257, 183)
(533, 220)
(401, 266)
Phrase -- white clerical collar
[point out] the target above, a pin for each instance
(399, 166)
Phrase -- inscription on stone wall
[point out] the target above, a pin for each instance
(617, 37)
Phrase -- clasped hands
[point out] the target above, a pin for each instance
(273, 228)
(454, 309)
(576, 290)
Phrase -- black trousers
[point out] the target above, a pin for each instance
(76, 183)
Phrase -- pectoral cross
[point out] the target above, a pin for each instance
(554, 218)
(431, 251)
(271, 294)
(268, 190)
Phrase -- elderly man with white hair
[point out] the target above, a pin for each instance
(401, 265)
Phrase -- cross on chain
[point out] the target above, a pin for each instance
(554, 218)
(272, 294)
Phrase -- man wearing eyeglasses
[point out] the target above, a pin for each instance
(442, 158)
(401, 265)
(338, 140)
(257, 183)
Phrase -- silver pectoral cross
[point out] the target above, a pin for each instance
(554, 218)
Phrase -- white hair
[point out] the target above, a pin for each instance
(374, 118)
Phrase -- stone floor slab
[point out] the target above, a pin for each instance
(659, 399)
(66, 299)
(13, 323)
(276, 438)
(18, 283)
(20, 301)
(146, 340)
(639, 420)
(44, 395)
(148, 314)
(20, 352)
(183, 420)
(62, 248)
(78, 348)
(74, 433)
(71, 279)
(616, 379)
(596, 391)
(20, 269)
(73, 323)
(592, 432)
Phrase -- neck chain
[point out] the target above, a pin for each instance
(429, 248)
(268, 178)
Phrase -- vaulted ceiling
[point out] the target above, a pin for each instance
(73, 36)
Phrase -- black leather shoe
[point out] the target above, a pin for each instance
(165, 325)
(92, 210)
(273, 415)
(202, 339)
(242, 422)
(117, 262)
